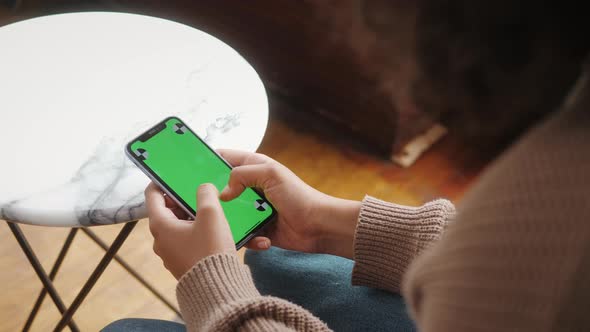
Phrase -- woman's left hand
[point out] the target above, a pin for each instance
(181, 243)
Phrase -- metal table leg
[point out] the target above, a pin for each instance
(52, 274)
(132, 271)
(110, 254)
(47, 284)
(104, 262)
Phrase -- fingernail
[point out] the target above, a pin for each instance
(264, 244)
(207, 186)
(224, 191)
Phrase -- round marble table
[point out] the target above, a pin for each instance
(77, 87)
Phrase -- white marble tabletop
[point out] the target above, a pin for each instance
(76, 87)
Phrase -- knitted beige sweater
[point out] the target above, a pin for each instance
(515, 258)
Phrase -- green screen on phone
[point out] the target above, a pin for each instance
(181, 162)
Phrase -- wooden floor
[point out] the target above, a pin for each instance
(324, 162)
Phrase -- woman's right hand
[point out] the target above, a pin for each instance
(308, 220)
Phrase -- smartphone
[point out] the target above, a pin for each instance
(178, 161)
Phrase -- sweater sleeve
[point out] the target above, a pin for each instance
(389, 236)
(218, 294)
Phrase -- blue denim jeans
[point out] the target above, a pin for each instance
(319, 283)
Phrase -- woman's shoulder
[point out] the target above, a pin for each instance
(521, 234)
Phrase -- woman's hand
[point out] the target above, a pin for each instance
(308, 220)
(181, 243)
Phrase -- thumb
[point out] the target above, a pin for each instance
(242, 177)
(210, 221)
(208, 206)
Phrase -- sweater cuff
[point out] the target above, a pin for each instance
(213, 282)
(389, 236)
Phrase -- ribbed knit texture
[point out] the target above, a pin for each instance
(514, 258)
(389, 236)
(218, 294)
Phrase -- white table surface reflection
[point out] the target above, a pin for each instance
(77, 87)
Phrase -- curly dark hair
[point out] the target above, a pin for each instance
(495, 67)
